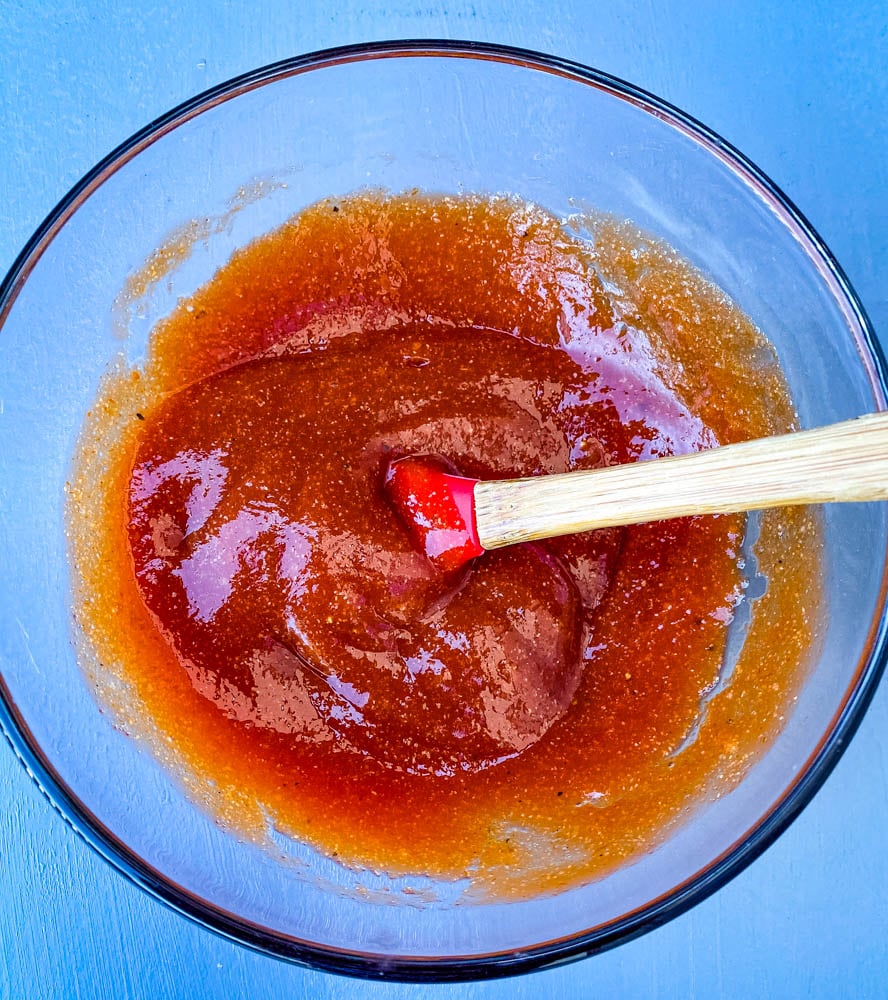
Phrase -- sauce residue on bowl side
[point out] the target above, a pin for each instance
(531, 720)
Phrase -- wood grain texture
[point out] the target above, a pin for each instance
(801, 88)
(842, 463)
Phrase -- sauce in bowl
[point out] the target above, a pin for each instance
(530, 720)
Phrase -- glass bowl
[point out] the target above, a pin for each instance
(236, 162)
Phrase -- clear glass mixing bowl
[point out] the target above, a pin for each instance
(236, 162)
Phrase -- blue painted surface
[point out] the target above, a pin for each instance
(802, 88)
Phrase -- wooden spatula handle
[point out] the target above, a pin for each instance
(841, 462)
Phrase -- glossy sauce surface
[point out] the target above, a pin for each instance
(528, 720)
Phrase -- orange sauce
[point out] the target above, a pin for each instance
(250, 605)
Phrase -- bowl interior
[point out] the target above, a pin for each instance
(213, 176)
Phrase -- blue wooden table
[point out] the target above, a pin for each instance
(800, 87)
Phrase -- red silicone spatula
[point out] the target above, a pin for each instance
(453, 519)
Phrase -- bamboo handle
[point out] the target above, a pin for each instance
(839, 463)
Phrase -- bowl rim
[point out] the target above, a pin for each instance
(707, 880)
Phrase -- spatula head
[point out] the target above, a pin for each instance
(437, 509)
